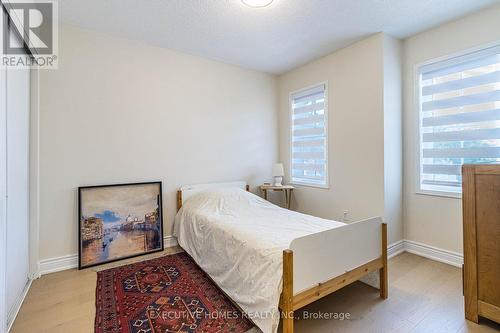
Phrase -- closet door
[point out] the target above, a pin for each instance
(18, 101)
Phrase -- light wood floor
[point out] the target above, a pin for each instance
(425, 296)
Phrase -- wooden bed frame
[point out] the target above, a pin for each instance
(291, 301)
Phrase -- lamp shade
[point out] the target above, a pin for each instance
(278, 170)
(257, 3)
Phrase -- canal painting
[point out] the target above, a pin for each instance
(119, 221)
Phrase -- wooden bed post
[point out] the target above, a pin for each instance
(287, 294)
(384, 292)
(179, 200)
(247, 188)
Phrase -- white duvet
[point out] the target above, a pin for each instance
(238, 238)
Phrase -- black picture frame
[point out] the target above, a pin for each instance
(80, 216)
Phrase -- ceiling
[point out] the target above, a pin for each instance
(273, 39)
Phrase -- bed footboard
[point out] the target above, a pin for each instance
(320, 264)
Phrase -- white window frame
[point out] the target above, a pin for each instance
(418, 115)
(290, 138)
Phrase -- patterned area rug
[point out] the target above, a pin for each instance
(163, 295)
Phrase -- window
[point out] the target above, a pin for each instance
(309, 137)
(459, 102)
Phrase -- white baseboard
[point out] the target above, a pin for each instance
(170, 241)
(53, 265)
(395, 248)
(58, 264)
(434, 253)
(11, 316)
(70, 261)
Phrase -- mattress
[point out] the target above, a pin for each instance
(238, 238)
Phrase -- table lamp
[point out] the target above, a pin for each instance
(278, 173)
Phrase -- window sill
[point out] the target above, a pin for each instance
(440, 194)
(324, 187)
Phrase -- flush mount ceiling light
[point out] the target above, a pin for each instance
(257, 3)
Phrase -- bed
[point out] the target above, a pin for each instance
(272, 261)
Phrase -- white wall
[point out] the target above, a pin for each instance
(356, 78)
(393, 136)
(437, 221)
(119, 111)
(165, 96)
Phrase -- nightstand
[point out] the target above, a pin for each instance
(286, 189)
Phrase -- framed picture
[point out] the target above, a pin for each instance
(119, 221)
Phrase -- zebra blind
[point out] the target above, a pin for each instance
(459, 117)
(309, 137)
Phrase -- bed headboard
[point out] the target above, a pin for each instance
(188, 190)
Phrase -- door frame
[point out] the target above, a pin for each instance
(34, 165)
(3, 202)
(34, 175)
(33, 182)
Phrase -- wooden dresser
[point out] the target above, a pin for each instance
(481, 223)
